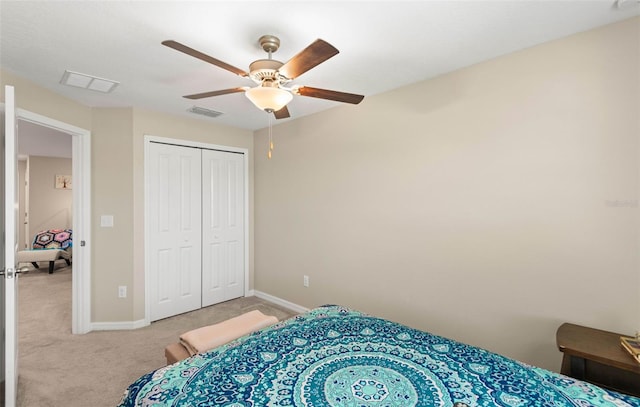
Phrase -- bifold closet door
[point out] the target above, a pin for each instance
(222, 226)
(175, 242)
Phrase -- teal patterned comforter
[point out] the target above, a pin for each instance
(338, 357)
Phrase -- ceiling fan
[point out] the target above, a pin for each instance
(271, 76)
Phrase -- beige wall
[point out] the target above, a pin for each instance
(489, 205)
(37, 99)
(49, 208)
(112, 194)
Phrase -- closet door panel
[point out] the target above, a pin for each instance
(175, 244)
(223, 226)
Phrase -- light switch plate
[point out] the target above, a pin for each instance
(106, 221)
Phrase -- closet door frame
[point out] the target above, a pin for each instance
(148, 139)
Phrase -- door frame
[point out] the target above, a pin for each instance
(10, 349)
(81, 173)
(148, 139)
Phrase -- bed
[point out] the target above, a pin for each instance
(336, 356)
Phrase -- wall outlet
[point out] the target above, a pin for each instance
(122, 291)
(305, 281)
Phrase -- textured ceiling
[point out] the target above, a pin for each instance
(383, 44)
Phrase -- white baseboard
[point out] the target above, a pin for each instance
(118, 326)
(128, 325)
(279, 301)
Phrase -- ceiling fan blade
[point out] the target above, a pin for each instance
(282, 113)
(215, 93)
(329, 94)
(315, 54)
(206, 58)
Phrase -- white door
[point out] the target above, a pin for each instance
(175, 244)
(9, 251)
(222, 226)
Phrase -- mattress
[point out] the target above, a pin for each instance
(336, 356)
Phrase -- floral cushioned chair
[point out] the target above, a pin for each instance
(49, 245)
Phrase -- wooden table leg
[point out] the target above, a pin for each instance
(577, 367)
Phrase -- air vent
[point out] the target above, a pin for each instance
(204, 112)
(81, 80)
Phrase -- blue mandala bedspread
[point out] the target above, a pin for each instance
(337, 357)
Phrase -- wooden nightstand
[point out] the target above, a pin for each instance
(597, 357)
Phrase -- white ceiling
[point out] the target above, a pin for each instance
(383, 44)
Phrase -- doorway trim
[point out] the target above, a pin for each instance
(148, 139)
(81, 172)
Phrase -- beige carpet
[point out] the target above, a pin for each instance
(60, 369)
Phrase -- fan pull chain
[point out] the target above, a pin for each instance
(270, 138)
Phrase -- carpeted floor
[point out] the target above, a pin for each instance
(60, 369)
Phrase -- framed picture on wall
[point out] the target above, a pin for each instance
(63, 181)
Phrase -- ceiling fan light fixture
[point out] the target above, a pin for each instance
(271, 76)
(270, 99)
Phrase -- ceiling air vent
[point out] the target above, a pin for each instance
(203, 111)
(81, 80)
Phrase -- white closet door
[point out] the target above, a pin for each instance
(175, 232)
(222, 226)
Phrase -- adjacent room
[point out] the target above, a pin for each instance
(45, 194)
(417, 181)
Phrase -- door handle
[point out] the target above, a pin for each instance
(10, 273)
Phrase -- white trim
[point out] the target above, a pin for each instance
(246, 222)
(279, 301)
(10, 286)
(148, 139)
(197, 144)
(81, 172)
(147, 304)
(119, 326)
(141, 323)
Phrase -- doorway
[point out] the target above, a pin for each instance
(43, 154)
(81, 212)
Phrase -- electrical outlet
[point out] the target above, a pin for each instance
(305, 281)
(122, 291)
